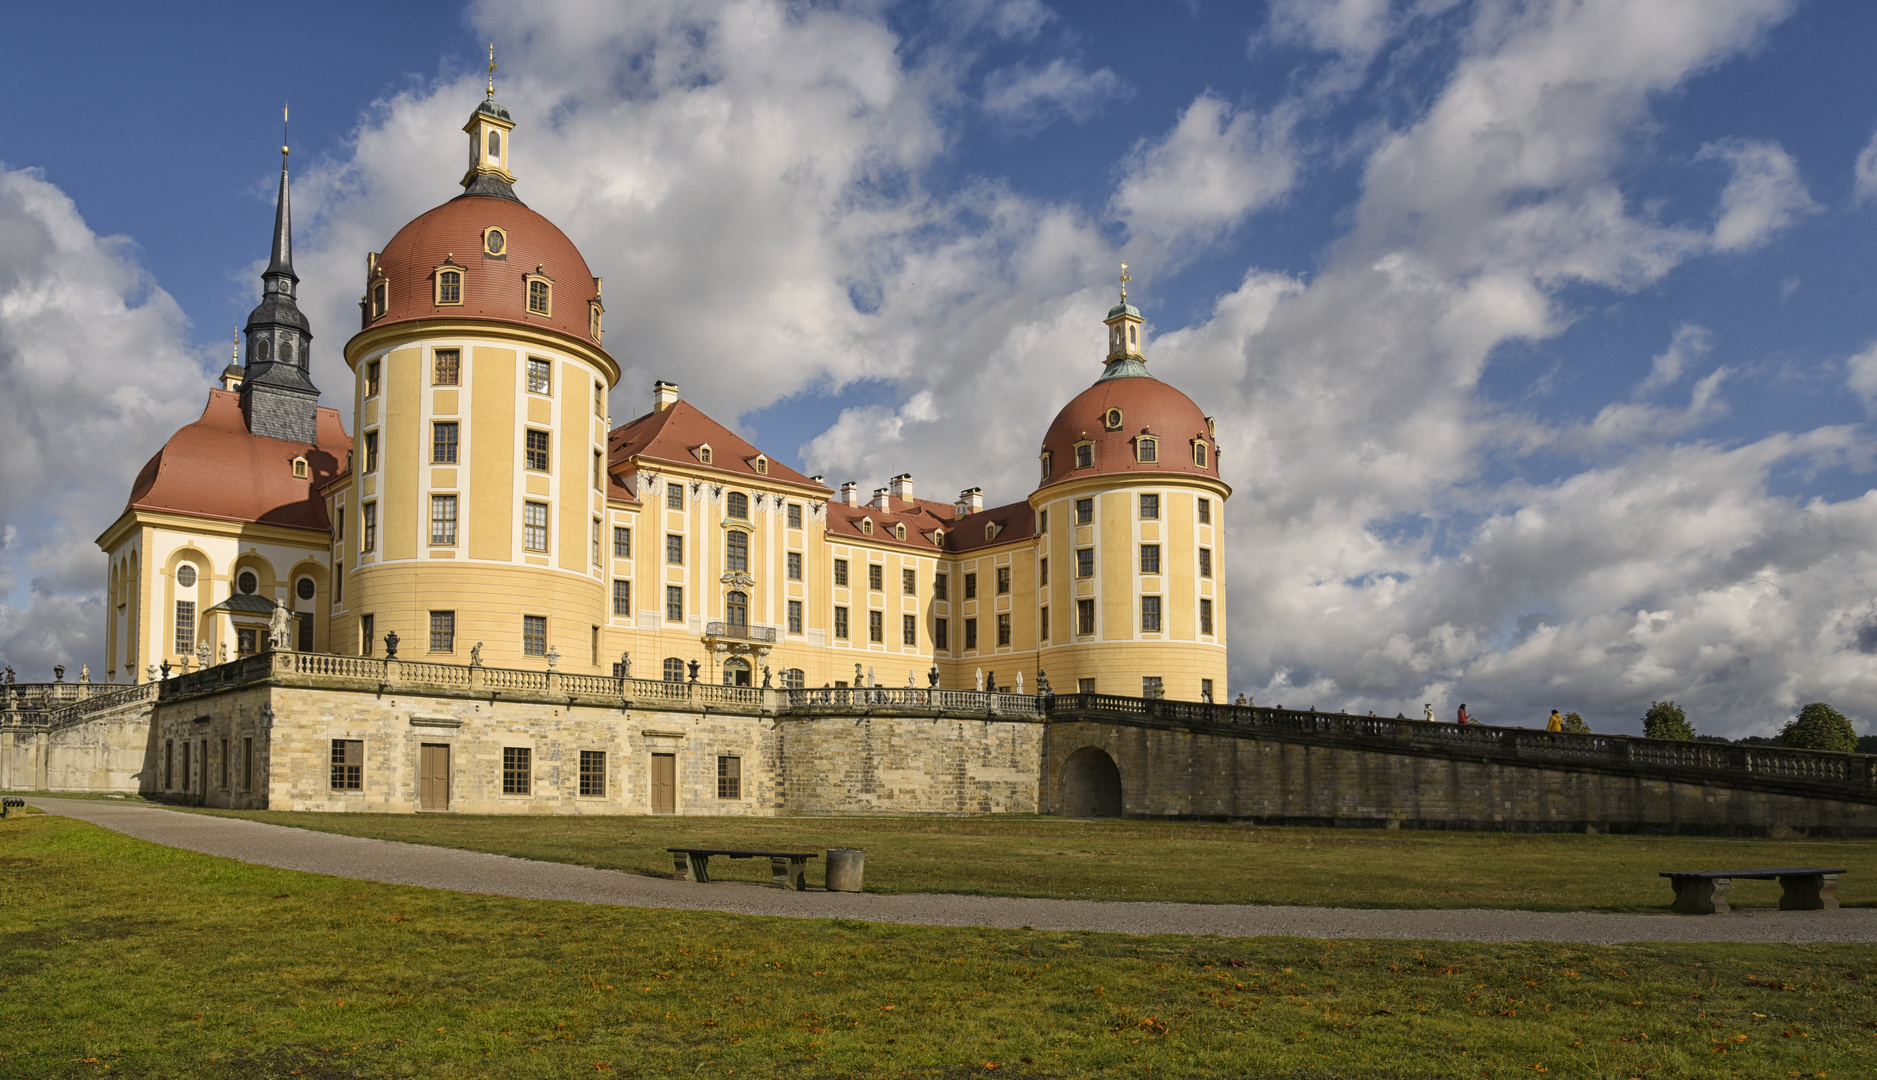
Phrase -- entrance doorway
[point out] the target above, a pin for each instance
(736, 672)
(1091, 784)
(664, 783)
(433, 776)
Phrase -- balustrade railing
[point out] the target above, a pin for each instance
(740, 631)
(912, 697)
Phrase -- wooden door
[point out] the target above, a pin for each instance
(433, 776)
(664, 783)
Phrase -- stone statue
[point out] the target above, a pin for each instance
(183, 662)
(475, 655)
(1019, 683)
(980, 680)
(933, 676)
(911, 679)
(10, 674)
(224, 656)
(279, 628)
(58, 673)
(1042, 684)
(625, 665)
(990, 681)
(205, 654)
(553, 658)
(84, 672)
(766, 676)
(149, 671)
(1240, 702)
(1427, 712)
(859, 679)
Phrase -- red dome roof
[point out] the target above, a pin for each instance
(1148, 406)
(494, 286)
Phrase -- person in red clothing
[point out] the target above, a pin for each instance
(1463, 719)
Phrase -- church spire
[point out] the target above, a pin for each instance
(1124, 335)
(281, 264)
(490, 131)
(278, 398)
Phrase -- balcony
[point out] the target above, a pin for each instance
(765, 635)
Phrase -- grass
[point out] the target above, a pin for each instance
(1149, 860)
(123, 958)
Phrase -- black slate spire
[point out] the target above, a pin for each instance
(278, 398)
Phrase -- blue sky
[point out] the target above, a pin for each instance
(1540, 335)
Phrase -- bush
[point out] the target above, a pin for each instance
(1575, 724)
(1665, 720)
(1819, 727)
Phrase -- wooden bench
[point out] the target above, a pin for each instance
(785, 867)
(1802, 888)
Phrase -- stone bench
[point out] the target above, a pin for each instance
(1802, 888)
(786, 868)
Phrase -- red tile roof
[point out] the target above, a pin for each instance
(1145, 403)
(674, 434)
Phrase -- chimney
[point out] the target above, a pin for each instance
(881, 501)
(901, 486)
(818, 479)
(970, 501)
(664, 395)
(850, 493)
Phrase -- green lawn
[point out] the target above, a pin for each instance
(1149, 860)
(123, 958)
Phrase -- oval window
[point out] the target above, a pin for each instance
(1113, 420)
(286, 352)
(185, 575)
(247, 582)
(305, 588)
(495, 242)
(263, 349)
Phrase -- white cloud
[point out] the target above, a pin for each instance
(1862, 378)
(1764, 197)
(1689, 344)
(1025, 97)
(1864, 172)
(1355, 28)
(1217, 165)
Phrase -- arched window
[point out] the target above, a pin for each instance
(1134, 337)
(866, 526)
(737, 505)
(1046, 464)
(899, 532)
(495, 147)
(793, 678)
(450, 287)
(736, 608)
(1085, 456)
(494, 241)
(674, 669)
(538, 297)
(736, 551)
(736, 672)
(380, 299)
(1199, 454)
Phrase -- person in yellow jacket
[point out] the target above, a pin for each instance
(1557, 722)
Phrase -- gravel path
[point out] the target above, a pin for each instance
(475, 872)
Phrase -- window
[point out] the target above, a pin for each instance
(348, 764)
(1205, 691)
(443, 519)
(795, 565)
(534, 526)
(703, 453)
(840, 622)
(1085, 456)
(795, 515)
(1042, 522)
(1147, 450)
(299, 468)
(1003, 628)
(1084, 511)
(596, 320)
(1045, 464)
(971, 633)
(595, 544)
(169, 763)
(599, 397)
(1150, 558)
(729, 777)
(1150, 614)
(866, 526)
(369, 540)
(366, 637)
(941, 633)
(794, 678)
(494, 241)
(940, 584)
(303, 631)
(537, 297)
(517, 771)
(1085, 686)
(371, 378)
(443, 631)
(540, 379)
(1042, 625)
(840, 572)
(1150, 507)
(1152, 687)
(909, 582)
(185, 627)
(1199, 454)
(599, 472)
(622, 542)
(1205, 616)
(674, 549)
(736, 552)
(622, 597)
(736, 608)
(450, 287)
(795, 616)
(1111, 420)
(246, 583)
(674, 603)
(371, 451)
(909, 629)
(593, 772)
(1085, 616)
(971, 586)
(247, 762)
(338, 581)
(762, 465)
(899, 531)
(876, 627)
(1003, 581)
(1084, 562)
(1205, 562)
(674, 495)
(534, 635)
(876, 577)
(736, 505)
(304, 588)
(537, 450)
(1042, 572)
(674, 669)
(380, 298)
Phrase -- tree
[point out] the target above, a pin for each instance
(1665, 720)
(1575, 724)
(1819, 727)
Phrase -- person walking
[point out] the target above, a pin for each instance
(1556, 723)
(1463, 719)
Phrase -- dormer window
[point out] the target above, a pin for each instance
(494, 240)
(299, 468)
(1111, 420)
(540, 295)
(899, 532)
(1146, 450)
(1046, 464)
(991, 529)
(866, 526)
(380, 298)
(762, 465)
(1085, 455)
(1200, 454)
(938, 537)
(449, 287)
(703, 453)
(595, 317)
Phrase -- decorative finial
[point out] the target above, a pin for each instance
(283, 129)
(234, 350)
(491, 71)
(1125, 278)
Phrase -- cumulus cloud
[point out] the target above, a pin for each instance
(1022, 97)
(1217, 165)
(1862, 376)
(1354, 28)
(1764, 197)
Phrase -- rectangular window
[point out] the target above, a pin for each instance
(1084, 562)
(443, 442)
(674, 495)
(447, 366)
(596, 541)
(371, 451)
(1147, 450)
(443, 519)
(940, 583)
(537, 450)
(537, 297)
(247, 763)
(795, 616)
(840, 572)
(971, 586)
(1150, 614)
(303, 631)
(1085, 511)
(674, 603)
(795, 515)
(840, 622)
(622, 542)
(1042, 625)
(1205, 616)
(736, 551)
(593, 772)
(1042, 572)
(534, 526)
(185, 627)
(534, 635)
(539, 380)
(1205, 511)
(599, 397)
(1205, 691)
(443, 631)
(338, 582)
(729, 778)
(942, 633)
(876, 627)
(1150, 507)
(1152, 687)
(622, 597)
(368, 541)
(876, 577)
(1205, 562)
(909, 629)
(169, 764)
(1003, 581)
(599, 473)
(1085, 616)
(1003, 628)
(909, 582)
(971, 633)
(224, 765)
(795, 565)
(1085, 686)
(1042, 523)
(517, 769)
(371, 379)
(1150, 558)
(366, 636)
(674, 549)
(348, 764)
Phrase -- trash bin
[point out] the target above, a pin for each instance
(846, 866)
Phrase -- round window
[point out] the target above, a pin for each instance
(185, 575)
(496, 242)
(304, 588)
(247, 582)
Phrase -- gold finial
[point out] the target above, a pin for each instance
(1125, 278)
(234, 350)
(491, 71)
(283, 129)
